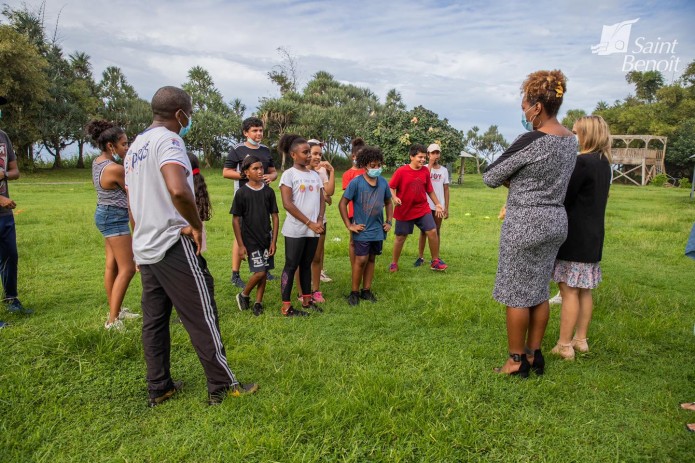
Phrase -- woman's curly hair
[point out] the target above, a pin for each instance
(547, 88)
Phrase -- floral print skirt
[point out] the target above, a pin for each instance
(577, 274)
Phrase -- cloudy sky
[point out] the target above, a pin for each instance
(464, 60)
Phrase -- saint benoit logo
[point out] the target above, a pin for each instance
(641, 54)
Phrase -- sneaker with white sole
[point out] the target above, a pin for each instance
(126, 314)
(557, 299)
(324, 277)
(116, 325)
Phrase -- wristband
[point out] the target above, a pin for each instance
(388, 222)
(307, 222)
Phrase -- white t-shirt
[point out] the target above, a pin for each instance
(157, 222)
(306, 195)
(440, 177)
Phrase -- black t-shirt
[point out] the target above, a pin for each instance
(255, 207)
(239, 152)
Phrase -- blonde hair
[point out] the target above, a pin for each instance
(546, 88)
(594, 135)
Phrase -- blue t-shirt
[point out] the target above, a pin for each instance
(369, 207)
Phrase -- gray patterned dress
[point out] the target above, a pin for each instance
(538, 167)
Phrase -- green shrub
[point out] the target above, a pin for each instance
(684, 183)
(659, 180)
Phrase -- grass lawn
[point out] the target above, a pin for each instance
(407, 379)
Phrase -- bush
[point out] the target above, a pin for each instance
(684, 183)
(659, 180)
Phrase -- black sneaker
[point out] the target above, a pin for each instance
(154, 401)
(2, 325)
(257, 309)
(292, 312)
(234, 391)
(269, 276)
(243, 301)
(237, 281)
(14, 306)
(367, 295)
(312, 305)
(354, 298)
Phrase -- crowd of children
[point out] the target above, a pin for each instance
(416, 196)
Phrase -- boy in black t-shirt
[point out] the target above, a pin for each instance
(255, 203)
(252, 128)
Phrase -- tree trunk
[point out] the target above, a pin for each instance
(57, 164)
(80, 158)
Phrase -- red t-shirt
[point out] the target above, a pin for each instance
(411, 187)
(347, 178)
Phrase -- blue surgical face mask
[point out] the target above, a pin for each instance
(184, 130)
(528, 125)
(253, 142)
(374, 173)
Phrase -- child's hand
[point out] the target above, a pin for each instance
(271, 250)
(326, 165)
(439, 212)
(396, 200)
(387, 227)
(446, 213)
(316, 227)
(7, 203)
(242, 252)
(356, 227)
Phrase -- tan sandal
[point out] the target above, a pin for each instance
(566, 351)
(580, 345)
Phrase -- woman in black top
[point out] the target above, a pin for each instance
(577, 270)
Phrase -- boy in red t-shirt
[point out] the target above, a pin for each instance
(410, 187)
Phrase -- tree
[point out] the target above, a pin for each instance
(485, 145)
(214, 120)
(647, 83)
(23, 79)
(571, 117)
(285, 73)
(86, 93)
(120, 102)
(279, 116)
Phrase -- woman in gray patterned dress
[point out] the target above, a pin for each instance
(536, 169)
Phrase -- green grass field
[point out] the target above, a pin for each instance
(407, 379)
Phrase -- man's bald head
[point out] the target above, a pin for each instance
(167, 100)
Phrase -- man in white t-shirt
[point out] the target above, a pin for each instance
(166, 245)
(440, 182)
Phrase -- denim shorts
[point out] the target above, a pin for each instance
(112, 221)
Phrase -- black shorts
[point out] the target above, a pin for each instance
(368, 248)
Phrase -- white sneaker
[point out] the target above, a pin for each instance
(126, 314)
(325, 278)
(115, 325)
(557, 299)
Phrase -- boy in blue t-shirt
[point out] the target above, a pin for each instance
(370, 194)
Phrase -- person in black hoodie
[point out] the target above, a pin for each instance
(577, 267)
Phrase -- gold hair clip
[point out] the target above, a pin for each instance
(559, 91)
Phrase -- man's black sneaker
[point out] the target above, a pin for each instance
(14, 306)
(237, 281)
(269, 276)
(312, 305)
(354, 298)
(367, 295)
(292, 312)
(154, 401)
(257, 309)
(235, 391)
(243, 301)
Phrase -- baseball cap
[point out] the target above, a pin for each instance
(434, 147)
(314, 142)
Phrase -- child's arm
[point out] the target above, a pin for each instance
(329, 186)
(236, 223)
(389, 214)
(342, 207)
(396, 199)
(437, 205)
(446, 200)
(322, 210)
(276, 225)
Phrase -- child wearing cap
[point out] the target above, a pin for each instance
(410, 186)
(440, 182)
